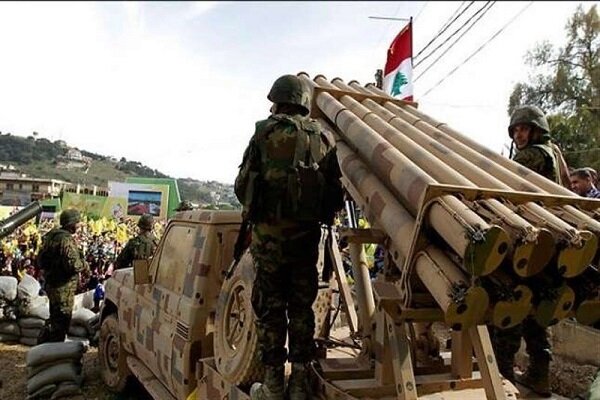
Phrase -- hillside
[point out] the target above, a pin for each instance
(42, 158)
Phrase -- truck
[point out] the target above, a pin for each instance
(471, 240)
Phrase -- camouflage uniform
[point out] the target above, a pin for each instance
(538, 156)
(62, 261)
(140, 247)
(286, 230)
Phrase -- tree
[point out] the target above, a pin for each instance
(565, 83)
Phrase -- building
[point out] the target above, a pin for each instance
(20, 190)
(87, 189)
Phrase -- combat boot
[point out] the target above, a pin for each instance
(537, 377)
(298, 387)
(272, 387)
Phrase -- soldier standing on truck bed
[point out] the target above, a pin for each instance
(140, 247)
(530, 132)
(289, 184)
(61, 260)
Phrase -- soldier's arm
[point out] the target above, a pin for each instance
(532, 158)
(248, 166)
(74, 257)
(125, 257)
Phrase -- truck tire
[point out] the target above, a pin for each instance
(235, 340)
(112, 355)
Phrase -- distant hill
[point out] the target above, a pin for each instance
(42, 158)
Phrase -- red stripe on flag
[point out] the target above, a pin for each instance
(400, 49)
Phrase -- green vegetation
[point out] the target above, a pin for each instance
(565, 83)
(38, 158)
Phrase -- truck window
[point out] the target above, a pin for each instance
(175, 257)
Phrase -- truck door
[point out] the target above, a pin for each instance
(156, 333)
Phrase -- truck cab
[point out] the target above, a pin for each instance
(158, 322)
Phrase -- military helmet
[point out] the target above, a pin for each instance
(69, 217)
(146, 222)
(185, 205)
(291, 90)
(530, 115)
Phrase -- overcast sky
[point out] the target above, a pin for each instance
(178, 86)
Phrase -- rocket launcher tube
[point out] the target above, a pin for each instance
(481, 246)
(439, 275)
(533, 248)
(582, 246)
(509, 171)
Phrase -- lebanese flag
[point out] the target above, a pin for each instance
(397, 75)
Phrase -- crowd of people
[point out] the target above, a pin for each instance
(100, 240)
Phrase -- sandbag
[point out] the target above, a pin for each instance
(42, 392)
(83, 340)
(67, 372)
(79, 331)
(30, 332)
(82, 316)
(28, 341)
(32, 322)
(9, 312)
(66, 389)
(4, 337)
(28, 288)
(41, 312)
(49, 352)
(84, 300)
(10, 328)
(32, 371)
(93, 324)
(26, 307)
(8, 287)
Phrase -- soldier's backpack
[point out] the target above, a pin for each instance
(303, 190)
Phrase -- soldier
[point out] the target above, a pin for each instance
(61, 260)
(185, 205)
(140, 247)
(289, 184)
(530, 132)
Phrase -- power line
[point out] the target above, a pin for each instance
(387, 28)
(491, 4)
(479, 49)
(446, 26)
(420, 11)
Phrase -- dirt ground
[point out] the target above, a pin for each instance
(13, 377)
(568, 379)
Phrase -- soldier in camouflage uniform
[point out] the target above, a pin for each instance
(530, 133)
(289, 184)
(61, 260)
(140, 247)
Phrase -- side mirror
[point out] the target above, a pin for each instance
(141, 272)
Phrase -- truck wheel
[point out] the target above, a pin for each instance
(112, 356)
(235, 340)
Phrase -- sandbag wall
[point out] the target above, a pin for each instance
(54, 370)
(487, 260)
(23, 313)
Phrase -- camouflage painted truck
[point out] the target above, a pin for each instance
(471, 240)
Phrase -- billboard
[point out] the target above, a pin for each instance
(90, 205)
(136, 199)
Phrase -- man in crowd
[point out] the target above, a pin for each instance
(530, 133)
(62, 261)
(582, 183)
(140, 247)
(289, 184)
